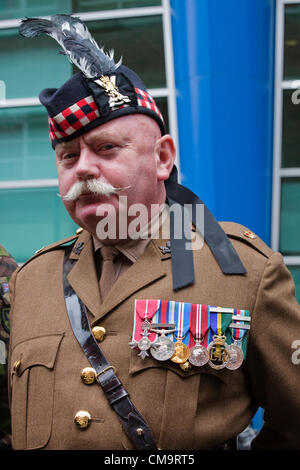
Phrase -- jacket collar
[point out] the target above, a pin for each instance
(83, 277)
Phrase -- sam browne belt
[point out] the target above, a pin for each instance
(132, 421)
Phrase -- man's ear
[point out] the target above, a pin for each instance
(165, 153)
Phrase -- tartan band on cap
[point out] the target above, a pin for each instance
(73, 118)
(145, 100)
(82, 113)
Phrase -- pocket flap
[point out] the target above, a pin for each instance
(138, 365)
(35, 351)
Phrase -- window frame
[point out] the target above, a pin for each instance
(169, 92)
(278, 172)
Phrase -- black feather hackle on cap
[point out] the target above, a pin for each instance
(76, 41)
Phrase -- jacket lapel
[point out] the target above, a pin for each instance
(135, 278)
(83, 277)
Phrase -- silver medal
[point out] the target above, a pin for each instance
(236, 357)
(199, 355)
(163, 348)
(144, 343)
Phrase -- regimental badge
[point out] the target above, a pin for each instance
(116, 99)
(218, 355)
(249, 234)
(190, 335)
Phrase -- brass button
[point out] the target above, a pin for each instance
(186, 366)
(99, 332)
(139, 431)
(82, 419)
(16, 366)
(79, 230)
(88, 375)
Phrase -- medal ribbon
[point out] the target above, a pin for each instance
(220, 320)
(198, 324)
(182, 321)
(202, 321)
(144, 310)
(238, 334)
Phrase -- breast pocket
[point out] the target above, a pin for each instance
(32, 384)
(174, 397)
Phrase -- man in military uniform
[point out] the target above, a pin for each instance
(7, 267)
(113, 337)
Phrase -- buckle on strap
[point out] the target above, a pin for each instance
(106, 369)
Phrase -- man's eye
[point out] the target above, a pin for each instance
(68, 156)
(106, 147)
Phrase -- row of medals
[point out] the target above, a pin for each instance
(218, 354)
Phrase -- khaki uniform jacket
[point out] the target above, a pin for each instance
(199, 409)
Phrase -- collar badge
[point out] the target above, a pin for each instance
(166, 249)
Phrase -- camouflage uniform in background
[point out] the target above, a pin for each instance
(7, 267)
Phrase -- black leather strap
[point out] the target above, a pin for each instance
(214, 235)
(182, 259)
(132, 421)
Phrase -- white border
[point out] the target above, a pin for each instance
(292, 260)
(290, 84)
(21, 184)
(170, 78)
(277, 134)
(96, 15)
(289, 172)
(19, 102)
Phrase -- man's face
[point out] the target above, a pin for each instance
(125, 152)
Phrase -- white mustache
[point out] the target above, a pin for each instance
(94, 186)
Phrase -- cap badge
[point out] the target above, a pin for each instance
(115, 97)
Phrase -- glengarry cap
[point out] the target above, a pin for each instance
(103, 90)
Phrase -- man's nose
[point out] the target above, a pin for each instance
(87, 167)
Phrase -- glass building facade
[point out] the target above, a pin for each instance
(226, 77)
(32, 212)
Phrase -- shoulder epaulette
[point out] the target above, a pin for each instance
(238, 231)
(48, 248)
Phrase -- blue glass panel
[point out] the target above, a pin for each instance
(92, 5)
(139, 41)
(19, 8)
(32, 218)
(290, 217)
(295, 271)
(30, 65)
(292, 41)
(290, 130)
(26, 152)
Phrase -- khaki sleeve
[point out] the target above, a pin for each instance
(274, 372)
